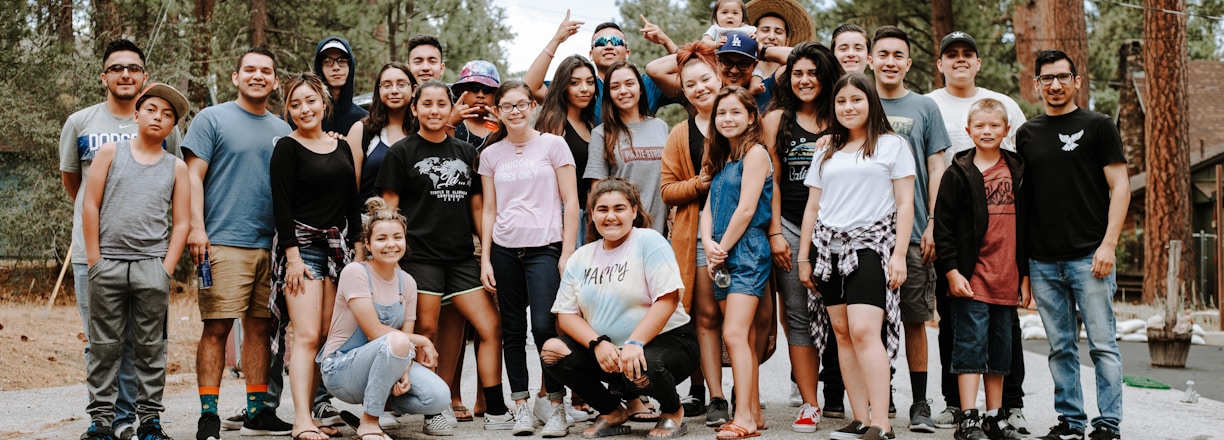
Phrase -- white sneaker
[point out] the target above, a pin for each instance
(438, 425)
(449, 413)
(557, 425)
(497, 423)
(807, 419)
(946, 419)
(577, 415)
(541, 409)
(125, 432)
(524, 420)
(796, 400)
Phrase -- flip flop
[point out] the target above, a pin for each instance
(373, 436)
(299, 435)
(674, 431)
(603, 429)
(350, 419)
(734, 431)
(462, 413)
(646, 416)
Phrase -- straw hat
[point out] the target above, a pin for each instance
(798, 23)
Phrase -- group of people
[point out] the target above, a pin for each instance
(379, 241)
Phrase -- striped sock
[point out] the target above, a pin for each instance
(208, 399)
(257, 396)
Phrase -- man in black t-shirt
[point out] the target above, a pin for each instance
(1077, 188)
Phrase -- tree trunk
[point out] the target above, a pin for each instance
(259, 23)
(941, 24)
(201, 43)
(1029, 34)
(63, 25)
(1068, 31)
(105, 23)
(1167, 197)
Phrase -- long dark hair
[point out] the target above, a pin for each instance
(379, 115)
(620, 185)
(555, 109)
(718, 148)
(506, 87)
(614, 127)
(877, 122)
(828, 70)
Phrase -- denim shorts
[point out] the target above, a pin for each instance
(981, 328)
(749, 263)
(701, 257)
(315, 257)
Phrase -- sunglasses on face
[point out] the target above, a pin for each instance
(608, 39)
(473, 88)
(119, 68)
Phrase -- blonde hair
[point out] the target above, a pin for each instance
(987, 105)
(378, 211)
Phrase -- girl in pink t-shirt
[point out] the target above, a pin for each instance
(529, 228)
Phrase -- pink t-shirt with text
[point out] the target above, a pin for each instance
(527, 195)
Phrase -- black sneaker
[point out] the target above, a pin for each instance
(1064, 431)
(877, 433)
(324, 414)
(969, 426)
(718, 412)
(852, 431)
(999, 428)
(920, 417)
(1104, 433)
(151, 430)
(234, 422)
(265, 423)
(209, 427)
(892, 406)
(694, 405)
(98, 432)
(834, 410)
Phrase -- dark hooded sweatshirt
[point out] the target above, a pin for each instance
(344, 112)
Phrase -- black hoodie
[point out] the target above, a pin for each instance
(961, 217)
(344, 112)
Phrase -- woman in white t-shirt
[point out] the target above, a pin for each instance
(619, 319)
(529, 227)
(861, 193)
(371, 356)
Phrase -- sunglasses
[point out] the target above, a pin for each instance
(608, 39)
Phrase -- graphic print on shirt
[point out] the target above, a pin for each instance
(902, 125)
(612, 272)
(516, 170)
(1000, 199)
(799, 158)
(631, 153)
(451, 177)
(88, 144)
(1070, 141)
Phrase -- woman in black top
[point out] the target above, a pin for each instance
(314, 202)
(388, 122)
(569, 112)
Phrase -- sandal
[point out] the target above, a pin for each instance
(734, 431)
(373, 436)
(644, 416)
(299, 435)
(673, 431)
(462, 413)
(603, 429)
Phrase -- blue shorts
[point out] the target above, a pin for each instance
(981, 328)
(749, 263)
(315, 257)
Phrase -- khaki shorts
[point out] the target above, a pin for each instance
(241, 284)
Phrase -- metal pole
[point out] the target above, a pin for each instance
(1219, 227)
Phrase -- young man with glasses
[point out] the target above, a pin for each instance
(123, 75)
(608, 45)
(1076, 182)
(334, 62)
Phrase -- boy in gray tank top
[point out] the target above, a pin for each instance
(132, 245)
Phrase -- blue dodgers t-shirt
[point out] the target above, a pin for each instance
(651, 91)
(917, 118)
(613, 289)
(237, 145)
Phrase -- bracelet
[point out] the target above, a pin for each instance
(549, 52)
(804, 260)
(775, 233)
(637, 343)
(595, 342)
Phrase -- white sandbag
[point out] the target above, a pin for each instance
(1033, 333)
(1198, 340)
(1197, 330)
(1029, 321)
(1156, 321)
(1133, 337)
(1131, 326)
(1083, 335)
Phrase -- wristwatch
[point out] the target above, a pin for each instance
(595, 342)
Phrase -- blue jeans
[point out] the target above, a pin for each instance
(526, 278)
(125, 403)
(1060, 288)
(366, 374)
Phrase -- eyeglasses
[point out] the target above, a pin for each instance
(608, 39)
(340, 61)
(508, 108)
(119, 68)
(401, 85)
(1063, 78)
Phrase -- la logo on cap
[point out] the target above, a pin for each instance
(735, 41)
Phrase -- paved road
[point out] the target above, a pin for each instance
(1205, 366)
(58, 413)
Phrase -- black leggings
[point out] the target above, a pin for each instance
(669, 356)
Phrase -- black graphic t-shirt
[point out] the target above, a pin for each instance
(796, 159)
(435, 182)
(1064, 180)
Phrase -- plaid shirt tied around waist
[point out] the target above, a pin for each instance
(338, 255)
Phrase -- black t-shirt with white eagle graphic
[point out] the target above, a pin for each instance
(435, 183)
(1064, 181)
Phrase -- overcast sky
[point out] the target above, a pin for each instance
(535, 21)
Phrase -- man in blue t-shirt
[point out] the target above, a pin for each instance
(228, 150)
(916, 118)
(608, 45)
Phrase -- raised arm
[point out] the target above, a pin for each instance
(534, 78)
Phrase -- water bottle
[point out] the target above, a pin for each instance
(722, 278)
(204, 272)
(1191, 395)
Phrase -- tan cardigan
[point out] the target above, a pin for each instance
(679, 188)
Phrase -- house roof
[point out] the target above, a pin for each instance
(1199, 158)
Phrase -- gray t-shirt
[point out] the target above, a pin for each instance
(134, 219)
(640, 163)
(84, 132)
(238, 147)
(916, 118)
